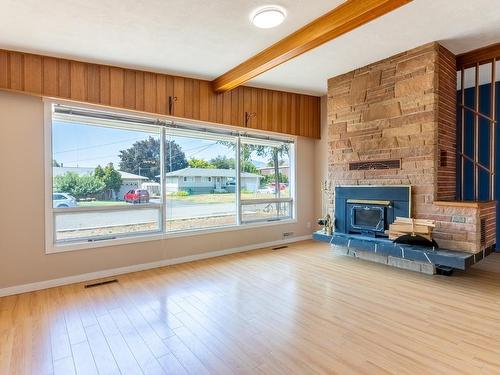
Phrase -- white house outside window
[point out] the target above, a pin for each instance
(113, 176)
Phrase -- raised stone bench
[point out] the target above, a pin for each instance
(415, 258)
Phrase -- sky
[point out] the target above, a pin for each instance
(88, 146)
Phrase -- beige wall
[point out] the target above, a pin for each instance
(22, 253)
(321, 159)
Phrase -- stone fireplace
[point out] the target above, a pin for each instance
(392, 123)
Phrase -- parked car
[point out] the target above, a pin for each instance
(63, 200)
(282, 185)
(136, 196)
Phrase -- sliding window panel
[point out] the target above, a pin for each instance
(460, 146)
(470, 87)
(484, 87)
(98, 162)
(265, 169)
(496, 139)
(93, 225)
(469, 169)
(484, 131)
(200, 180)
(266, 186)
(105, 175)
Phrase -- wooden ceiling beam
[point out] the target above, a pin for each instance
(344, 18)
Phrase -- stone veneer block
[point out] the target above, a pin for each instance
(415, 86)
(382, 111)
(372, 257)
(411, 265)
(340, 250)
(426, 268)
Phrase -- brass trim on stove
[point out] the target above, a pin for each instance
(410, 206)
(369, 201)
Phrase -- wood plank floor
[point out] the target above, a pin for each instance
(299, 310)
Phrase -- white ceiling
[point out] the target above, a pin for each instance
(203, 39)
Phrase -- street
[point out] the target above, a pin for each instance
(176, 209)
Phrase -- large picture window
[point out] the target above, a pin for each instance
(116, 176)
(271, 198)
(103, 177)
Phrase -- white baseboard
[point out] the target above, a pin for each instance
(17, 289)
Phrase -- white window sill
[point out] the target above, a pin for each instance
(196, 232)
(84, 245)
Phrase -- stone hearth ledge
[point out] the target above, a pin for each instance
(387, 250)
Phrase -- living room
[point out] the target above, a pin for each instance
(243, 187)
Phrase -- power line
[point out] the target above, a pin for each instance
(177, 155)
(97, 146)
(113, 143)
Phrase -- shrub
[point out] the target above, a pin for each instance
(111, 178)
(268, 179)
(87, 186)
(181, 193)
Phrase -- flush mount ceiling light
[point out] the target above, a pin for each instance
(268, 16)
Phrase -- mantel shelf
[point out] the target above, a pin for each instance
(465, 204)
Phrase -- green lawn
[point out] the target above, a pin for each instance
(195, 199)
(220, 198)
(204, 198)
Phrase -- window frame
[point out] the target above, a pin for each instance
(94, 239)
(276, 199)
(53, 246)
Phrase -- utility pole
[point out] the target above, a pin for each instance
(170, 155)
(277, 179)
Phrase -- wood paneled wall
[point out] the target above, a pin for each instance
(188, 98)
(478, 56)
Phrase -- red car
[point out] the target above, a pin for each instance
(282, 186)
(136, 196)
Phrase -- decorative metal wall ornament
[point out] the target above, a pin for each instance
(171, 102)
(248, 117)
(375, 164)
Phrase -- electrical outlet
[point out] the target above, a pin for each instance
(308, 225)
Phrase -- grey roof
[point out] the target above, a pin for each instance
(208, 172)
(58, 171)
